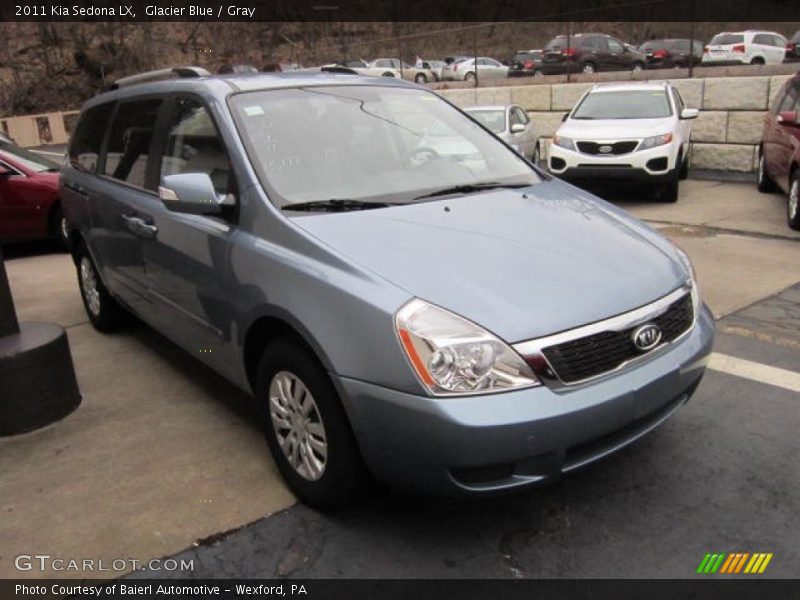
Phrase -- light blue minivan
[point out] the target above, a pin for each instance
(449, 321)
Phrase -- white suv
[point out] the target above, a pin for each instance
(745, 48)
(626, 133)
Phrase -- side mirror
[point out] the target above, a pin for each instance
(5, 172)
(191, 193)
(517, 128)
(787, 118)
(689, 113)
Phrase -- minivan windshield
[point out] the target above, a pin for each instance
(624, 104)
(371, 143)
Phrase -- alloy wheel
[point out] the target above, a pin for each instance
(91, 293)
(298, 425)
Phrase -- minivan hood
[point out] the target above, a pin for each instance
(521, 263)
(614, 129)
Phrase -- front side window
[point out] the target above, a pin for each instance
(129, 141)
(193, 145)
(615, 46)
(367, 143)
(84, 147)
(627, 104)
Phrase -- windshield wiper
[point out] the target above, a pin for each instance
(336, 205)
(472, 188)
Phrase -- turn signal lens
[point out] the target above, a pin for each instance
(453, 356)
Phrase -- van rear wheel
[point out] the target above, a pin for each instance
(103, 310)
(307, 430)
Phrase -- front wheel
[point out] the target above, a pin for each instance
(469, 76)
(421, 78)
(793, 212)
(306, 428)
(765, 183)
(684, 172)
(670, 193)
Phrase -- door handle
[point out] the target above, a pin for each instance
(140, 227)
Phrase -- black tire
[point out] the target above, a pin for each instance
(107, 315)
(589, 68)
(57, 227)
(764, 181)
(670, 193)
(344, 478)
(469, 76)
(757, 61)
(793, 205)
(637, 66)
(421, 78)
(537, 155)
(388, 74)
(538, 73)
(684, 172)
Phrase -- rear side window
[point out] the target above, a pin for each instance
(725, 39)
(84, 148)
(193, 145)
(129, 141)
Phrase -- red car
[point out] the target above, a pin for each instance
(779, 154)
(29, 204)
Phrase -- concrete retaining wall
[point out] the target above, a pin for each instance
(724, 137)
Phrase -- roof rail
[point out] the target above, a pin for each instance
(159, 75)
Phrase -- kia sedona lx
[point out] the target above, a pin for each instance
(404, 295)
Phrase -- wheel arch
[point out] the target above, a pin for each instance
(270, 323)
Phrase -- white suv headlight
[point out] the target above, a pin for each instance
(453, 356)
(655, 141)
(564, 142)
(696, 301)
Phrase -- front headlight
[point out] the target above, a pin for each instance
(564, 142)
(453, 356)
(655, 141)
(687, 263)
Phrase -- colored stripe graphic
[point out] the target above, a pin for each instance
(703, 563)
(735, 563)
(727, 564)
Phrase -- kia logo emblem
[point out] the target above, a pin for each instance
(605, 149)
(646, 337)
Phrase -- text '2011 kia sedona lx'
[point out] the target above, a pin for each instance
(430, 310)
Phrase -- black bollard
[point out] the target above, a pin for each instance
(37, 377)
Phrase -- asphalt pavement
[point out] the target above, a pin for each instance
(720, 476)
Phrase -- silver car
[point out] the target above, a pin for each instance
(512, 125)
(440, 315)
(465, 70)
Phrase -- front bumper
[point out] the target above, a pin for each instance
(487, 444)
(652, 166)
